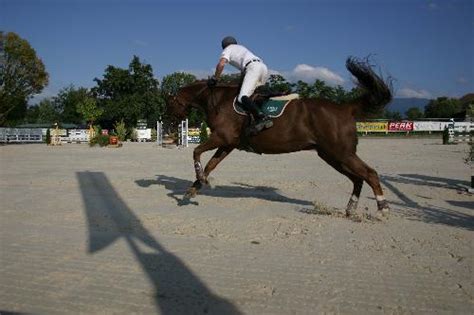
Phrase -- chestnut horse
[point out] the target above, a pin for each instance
(307, 124)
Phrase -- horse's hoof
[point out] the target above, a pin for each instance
(196, 185)
(350, 212)
(382, 214)
(385, 212)
(383, 206)
(191, 193)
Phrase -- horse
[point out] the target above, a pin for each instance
(321, 125)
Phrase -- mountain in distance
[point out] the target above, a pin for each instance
(401, 105)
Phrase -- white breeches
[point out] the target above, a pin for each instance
(256, 74)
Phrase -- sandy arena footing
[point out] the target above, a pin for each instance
(105, 231)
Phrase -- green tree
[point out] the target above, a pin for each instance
(304, 89)
(173, 82)
(67, 101)
(353, 94)
(88, 109)
(318, 89)
(321, 90)
(44, 112)
(395, 115)
(129, 94)
(233, 78)
(278, 84)
(442, 107)
(414, 113)
(170, 86)
(47, 112)
(32, 113)
(340, 95)
(121, 130)
(22, 74)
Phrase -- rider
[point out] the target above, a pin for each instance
(255, 74)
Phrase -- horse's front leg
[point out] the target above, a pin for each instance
(212, 143)
(220, 154)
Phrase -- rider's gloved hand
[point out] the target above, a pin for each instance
(212, 81)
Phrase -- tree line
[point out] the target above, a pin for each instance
(133, 93)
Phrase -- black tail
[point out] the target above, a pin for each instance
(375, 92)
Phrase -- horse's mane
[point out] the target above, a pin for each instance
(199, 86)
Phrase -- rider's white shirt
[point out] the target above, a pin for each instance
(238, 56)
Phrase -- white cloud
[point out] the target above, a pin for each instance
(309, 73)
(411, 93)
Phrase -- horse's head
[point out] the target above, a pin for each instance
(187, 97)
(176, 108)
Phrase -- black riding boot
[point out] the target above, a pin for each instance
(262, 121)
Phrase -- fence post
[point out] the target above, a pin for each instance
(159, 133)
(183, 133)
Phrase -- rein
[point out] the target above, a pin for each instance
(212, 102)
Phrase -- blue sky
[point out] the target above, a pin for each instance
(426, 45)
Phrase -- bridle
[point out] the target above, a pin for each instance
(213, 102)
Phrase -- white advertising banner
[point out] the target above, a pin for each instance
(430, 125)
(464, 126)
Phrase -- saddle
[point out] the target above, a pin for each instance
(271, 103)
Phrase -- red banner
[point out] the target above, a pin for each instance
(400, 126)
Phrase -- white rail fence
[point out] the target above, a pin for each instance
(21, 135)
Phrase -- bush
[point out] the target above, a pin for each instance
(103, 140)
(121, 130)
(99, 138)
(203, 136)
(97, 130)
(133, 134)
(154, 135)
(48, 136)
(93, 141)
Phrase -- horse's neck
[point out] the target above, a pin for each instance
(221, 96)
(217, 100)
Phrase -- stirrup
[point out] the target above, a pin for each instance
(263, 123)
(268, 123)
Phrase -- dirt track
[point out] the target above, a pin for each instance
(102, 231)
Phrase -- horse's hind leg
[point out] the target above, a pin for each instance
(356, 166)
(354, 200)
(356, 181)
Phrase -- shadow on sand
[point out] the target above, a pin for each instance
(178, 187)
(431, 214)
(177, 289)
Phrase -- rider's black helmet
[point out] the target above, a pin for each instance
(228, 40)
